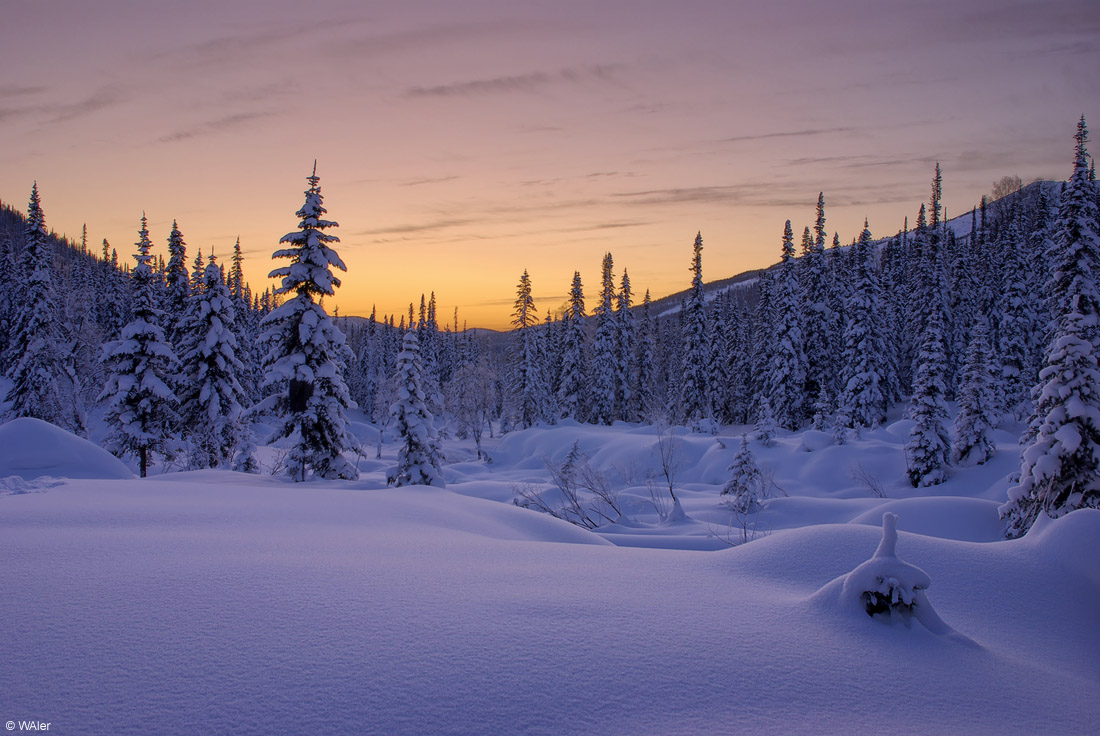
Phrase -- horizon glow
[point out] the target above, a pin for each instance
(458, 145)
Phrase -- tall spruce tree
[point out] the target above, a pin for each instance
(418, 458)
(816, 321)
(929, 445)
(977, 415)
(528, 375)
(307, 354)
(141, 406)
(604, 368)
(41, 387)
(626, 366)
(694, 402)
(864, 397)
(210, 390)
(177, 284)
(34, 363)
(785, 378)
(573, 374)
(646, 386)
(1060, 468)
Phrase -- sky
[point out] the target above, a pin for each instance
(459, 143)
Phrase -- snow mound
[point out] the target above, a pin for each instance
(947, 517)
(33, 448)
(1072, 541)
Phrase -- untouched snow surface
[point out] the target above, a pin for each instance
(211, 601)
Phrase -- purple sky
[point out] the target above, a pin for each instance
(459, 143)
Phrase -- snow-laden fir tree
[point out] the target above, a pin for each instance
(864, 380)
(784, 380)
(745, 487)
(929, 445)
(646, 376)
(1060, 468)
(197, 270)
(765, 427)
(210, 391)
(694, 401)
(626, 367)
(528, 375)
(977, 414)
(418, 458)
(816, 322)
(42, 387)
(720, 351)
(177, 285)
(307, 354)
(1017, 324)
(604, 349)
(573, 382)
(141, 406)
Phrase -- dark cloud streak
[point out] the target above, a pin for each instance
(522, 83)
(216, 126)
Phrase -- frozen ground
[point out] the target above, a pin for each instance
(203, 602)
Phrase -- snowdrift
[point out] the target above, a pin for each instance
(33, 449)
(215, 601)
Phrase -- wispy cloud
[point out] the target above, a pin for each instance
(235, 47)
(433, 180)
(50, 113)
(808, 133)
(104, 98)
(8, 91)
(421, 227)
(216, 126)
(524, 83)
(860, 161)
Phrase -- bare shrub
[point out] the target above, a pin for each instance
(867, 480)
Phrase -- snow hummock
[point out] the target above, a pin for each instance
(33, 449)
(887, 588)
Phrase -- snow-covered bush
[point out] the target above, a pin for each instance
(745, 488)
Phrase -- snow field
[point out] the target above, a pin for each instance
(214, 600)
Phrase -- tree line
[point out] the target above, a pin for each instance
(184, 362)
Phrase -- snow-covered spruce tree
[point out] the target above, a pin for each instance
(765, 427)
(36, 368)
(528, 376)
(141, 407)
(626, 366)
(745, 487)
(177, 284)
(719, 363)
(645, 387)
(977, 403)
(815, 321)
(210, 391)
(418, 457)
(604, 367)
(1060, 469)
(307, 354)
(929, 445)
(865, 361)
(573, 383)
(786, 372)
(694, 401)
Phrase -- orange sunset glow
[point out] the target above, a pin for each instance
(461, 143)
